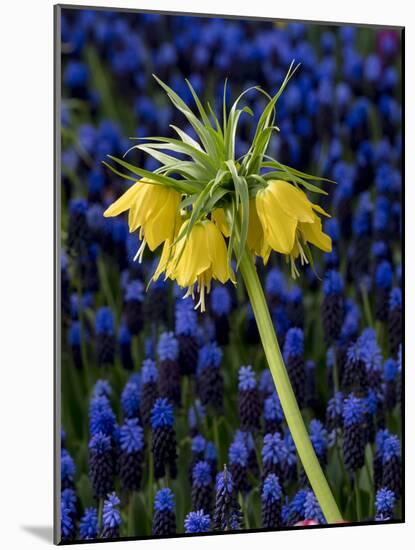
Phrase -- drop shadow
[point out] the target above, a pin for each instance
(43, 532)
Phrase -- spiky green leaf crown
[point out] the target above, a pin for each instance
(212, 177)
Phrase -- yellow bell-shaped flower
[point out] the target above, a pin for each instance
(152, 208)
(197, 259)
(288, 218)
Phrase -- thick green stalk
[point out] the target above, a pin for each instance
(285, 392)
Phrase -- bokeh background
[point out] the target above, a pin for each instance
(340, 117)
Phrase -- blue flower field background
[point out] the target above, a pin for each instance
(170, 420)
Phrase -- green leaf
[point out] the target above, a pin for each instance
(181, 185)
(171, 144)
(201, 130)
(118, 172)
(242, 192)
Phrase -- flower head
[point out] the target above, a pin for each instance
(353, 410)
(288, 221)
(111, 516)
(202, 474)
(131, 436)
(210, 356)
(130, 400)
(164, 500)
(274, 450)
(384, 504)
(271, 491)
(153, 209)
(246, 378)
(88, 526)
(238, 453)
(149, 372)
(197, 522)
(272, 408)
(196, 259)
(162, 413)
(168, 347)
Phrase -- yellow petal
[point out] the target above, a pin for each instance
(279, 228)
(217, 251)
(124, 202)
(218, 216)
(255, 237)
(164, 260)
(312, 233)
(320, 210)
(194, 259)
(161, 225)
(293, 201)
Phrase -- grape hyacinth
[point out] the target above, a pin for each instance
(198, 448)
(101, 416)
(273, 415)
(395, 320)
(354, 377)
(209, 377)
(67, 524)
(271, 502)
(105, 339)
(390, 376)
(169, 368)
(248, 398)
(274, 454)
(227, 516)
(383, 286)
(133, 299)
(111, 517)
(131, 455)
(149, 389)
(197, 522)
(163, 438)
(68, 470)
(124, 346)
(333, 306)
(238, 465)
(294, 359)
(130, 400)
(392, 465)
(202, 487)
(88, 526)
(164, 516)
(69, 501)
(186, 330)
(101, 465)
(353, 434)
(384, 504)
(78, 231)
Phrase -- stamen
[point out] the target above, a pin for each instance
(189, 292)
(140, 251)
(303, 257)
(294, 271)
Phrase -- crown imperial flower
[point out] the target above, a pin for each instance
(152, 208)
(195, 261)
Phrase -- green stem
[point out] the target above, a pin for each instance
(100, 509)
(282, 383)
(335, 371)
(357, 496)
(366, 307)
(216, 438)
